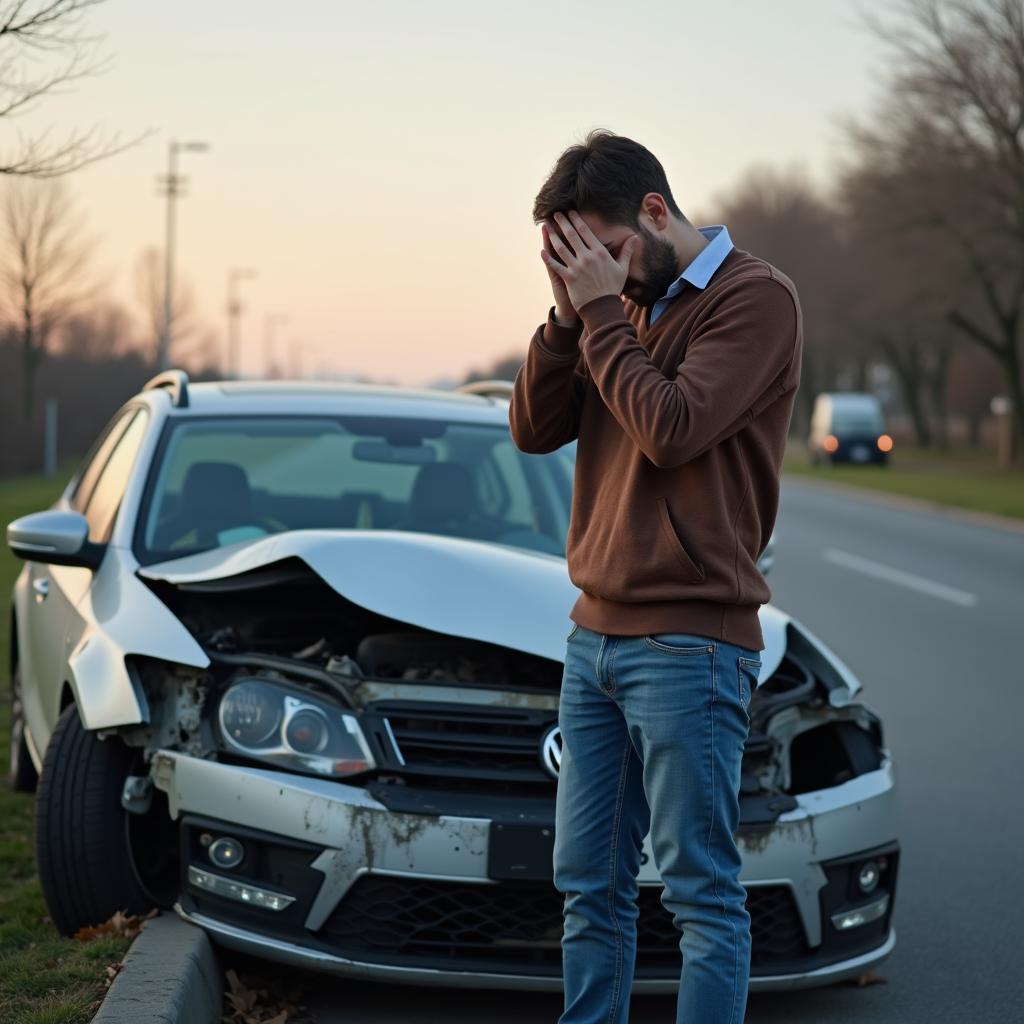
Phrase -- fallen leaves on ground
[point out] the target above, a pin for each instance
(126, 925)
(250, 999)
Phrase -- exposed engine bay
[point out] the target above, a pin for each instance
(303, 679)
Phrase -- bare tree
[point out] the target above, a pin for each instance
(901, 285)
(973, 380)
(43, 47)
(945, 161)
(42, 267)
(149, 290)
(781, 216)
(100, 333)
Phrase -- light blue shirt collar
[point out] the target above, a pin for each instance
(702, 267)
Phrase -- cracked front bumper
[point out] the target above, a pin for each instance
(365, 878)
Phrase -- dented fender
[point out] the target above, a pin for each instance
(120, 616)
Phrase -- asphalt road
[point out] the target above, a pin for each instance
(928, 610)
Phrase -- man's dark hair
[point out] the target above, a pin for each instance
(607, 174)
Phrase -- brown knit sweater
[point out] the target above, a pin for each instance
(682, 427)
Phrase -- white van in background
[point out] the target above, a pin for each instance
(848, 426)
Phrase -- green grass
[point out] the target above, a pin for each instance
(964, 478)
(44, 978)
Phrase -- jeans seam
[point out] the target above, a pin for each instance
(711, 827)
(613, 859)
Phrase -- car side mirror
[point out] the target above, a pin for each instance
(54, 537)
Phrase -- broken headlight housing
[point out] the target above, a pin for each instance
(291, 728)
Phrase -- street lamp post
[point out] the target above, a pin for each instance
(235, 275)
(173, 184)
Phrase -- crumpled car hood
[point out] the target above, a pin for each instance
(482, 590)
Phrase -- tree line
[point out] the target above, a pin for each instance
(912, 257)
(62, 338)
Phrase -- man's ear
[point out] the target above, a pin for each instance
(654, 205)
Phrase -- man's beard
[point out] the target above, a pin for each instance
(658, 266)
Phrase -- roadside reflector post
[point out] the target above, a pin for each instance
(1001, 407)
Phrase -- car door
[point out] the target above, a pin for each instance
(53, 625)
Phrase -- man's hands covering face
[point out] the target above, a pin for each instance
(587, 269)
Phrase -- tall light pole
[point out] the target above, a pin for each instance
(235, 275)
(270, 322)
(172, 184)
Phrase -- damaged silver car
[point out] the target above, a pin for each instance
(287, 659)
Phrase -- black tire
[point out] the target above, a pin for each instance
(82, 854)
(23, 774)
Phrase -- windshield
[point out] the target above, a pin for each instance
(849, 421)
(219, 481)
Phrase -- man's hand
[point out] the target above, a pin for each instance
(587, 270)
(564, 313)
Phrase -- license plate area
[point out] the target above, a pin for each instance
(520, 850)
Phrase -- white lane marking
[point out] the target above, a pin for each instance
(906, 579)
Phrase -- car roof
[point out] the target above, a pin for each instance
(304, 397)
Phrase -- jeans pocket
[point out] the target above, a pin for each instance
(747, 672)
(572, 632)
(678, 643)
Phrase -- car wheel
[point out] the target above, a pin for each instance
(82, 854)
(23, 773)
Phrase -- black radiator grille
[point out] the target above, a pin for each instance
(470, 741)
(519, 924)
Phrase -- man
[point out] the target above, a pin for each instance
(674, 358)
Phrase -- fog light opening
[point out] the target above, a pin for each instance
(868, 877)
(226, 852)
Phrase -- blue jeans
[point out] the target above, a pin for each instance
(653, 729)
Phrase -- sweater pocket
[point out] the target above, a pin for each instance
(694, 570)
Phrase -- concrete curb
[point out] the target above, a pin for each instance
(170, 975)
(964, 515)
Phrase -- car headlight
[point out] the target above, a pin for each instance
(291, 729)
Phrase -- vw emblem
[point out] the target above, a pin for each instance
(551, 751)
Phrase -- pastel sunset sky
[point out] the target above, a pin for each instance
(377, 162)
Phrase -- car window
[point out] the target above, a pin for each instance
(224, 480)
(849, 420)
(102, 504)
(97, 457)
(510, 467)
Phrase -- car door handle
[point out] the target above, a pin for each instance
(42, 588)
